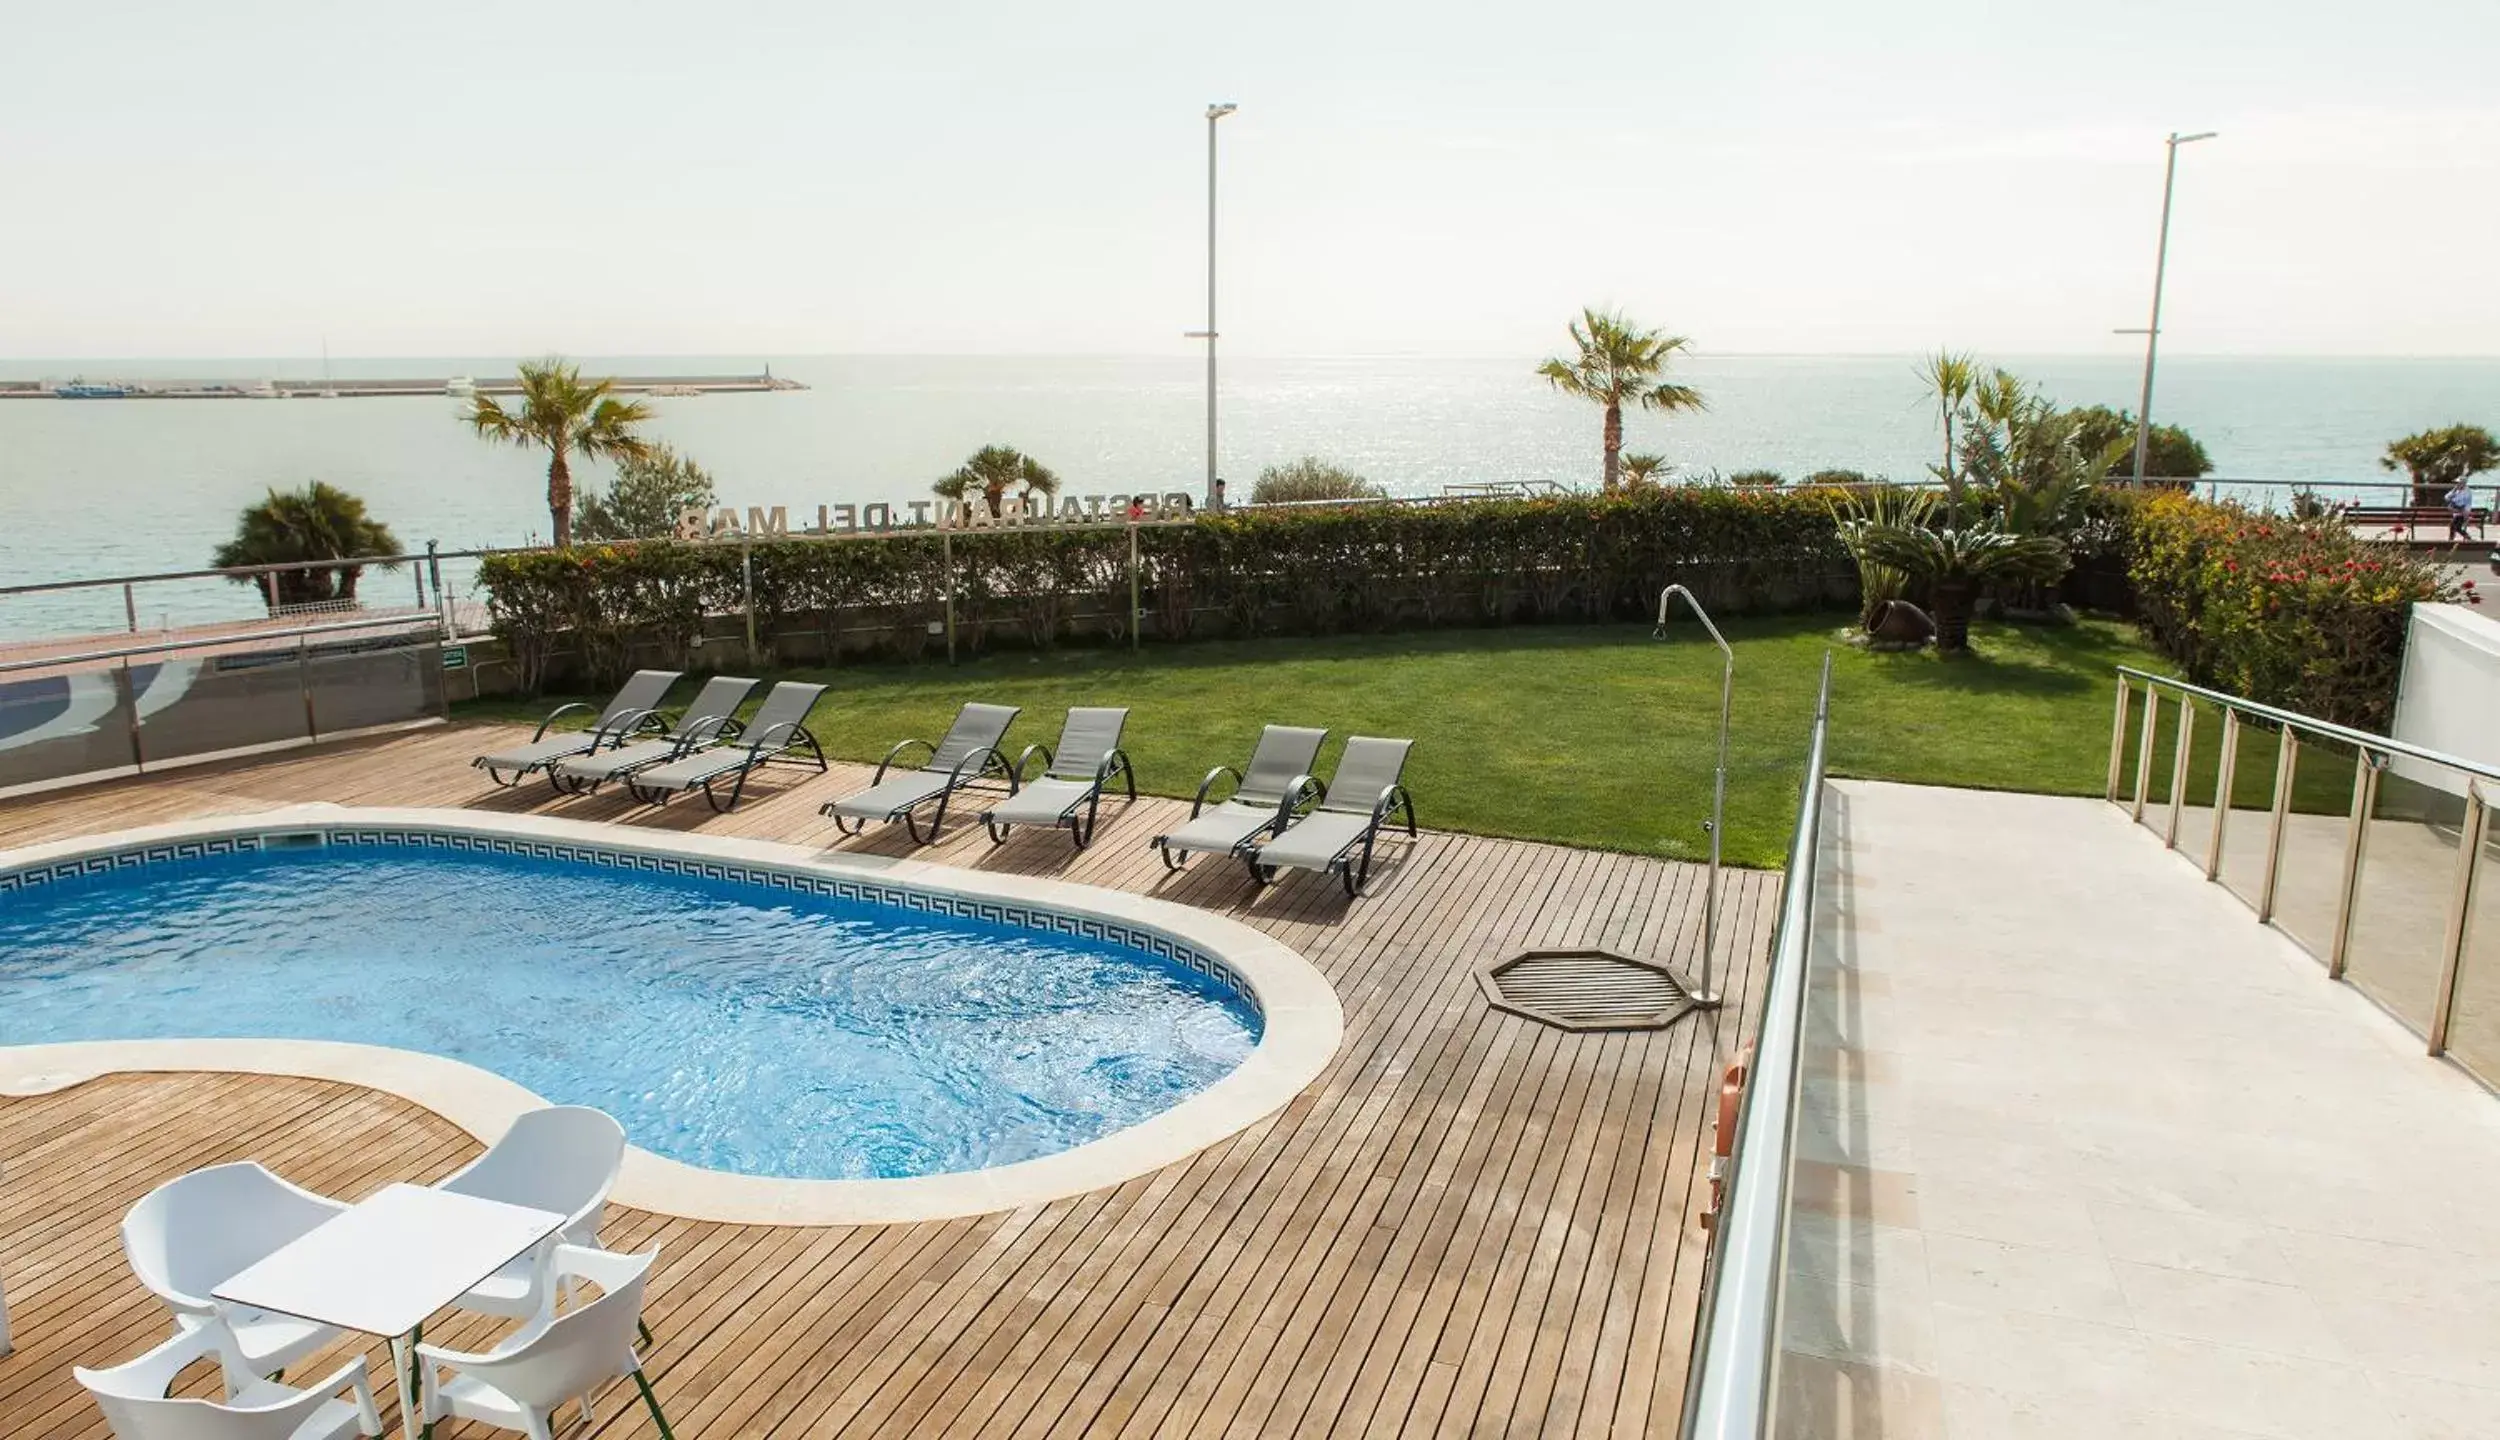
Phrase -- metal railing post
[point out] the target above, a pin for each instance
(746, 594)
(2118, 741)
(434, 576)
(946, 563)
(126, 697)
(2460, 912)
(2286, 769)
(2365, 775)
(130, 605)
(2179, 771)
(2226, 771)
(303, 682)
(2144, 751)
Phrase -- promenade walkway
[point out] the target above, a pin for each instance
(2088, 1152)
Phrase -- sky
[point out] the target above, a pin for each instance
(1454, 178)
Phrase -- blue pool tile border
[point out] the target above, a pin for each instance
(838, 887)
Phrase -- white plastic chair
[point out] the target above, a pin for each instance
(564, 1158)
(553, 1358)
(132, 1397)
(193, 1233)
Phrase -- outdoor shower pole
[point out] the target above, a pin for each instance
(1718, 788)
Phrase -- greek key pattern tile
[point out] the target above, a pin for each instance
(846, 888)
(34, 875)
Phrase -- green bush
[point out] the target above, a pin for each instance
(2298, 614)
(1290, 572)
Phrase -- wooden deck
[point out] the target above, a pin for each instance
(1470, 1223)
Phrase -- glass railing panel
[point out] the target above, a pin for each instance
(2309, 878)
(2195, 798)
(2157, 765)
(201, 705)
(2474, 1015)
(2242, 867)
(2397, 938)
(359, 689)
(55, 726)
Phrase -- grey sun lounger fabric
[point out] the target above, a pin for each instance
(710, 719)
(634, 709)
(1285, 753)
(1365, 791)
(1087, 760)
(778, 729)
(974, 736)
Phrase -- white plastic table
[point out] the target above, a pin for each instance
(384, 1267)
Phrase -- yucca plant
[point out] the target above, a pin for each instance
(1857, 511)
(1956, 562)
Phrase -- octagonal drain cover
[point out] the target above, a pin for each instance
(1587, 990)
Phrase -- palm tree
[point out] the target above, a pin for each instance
(1640, 472)
(565, 417)
(991, 470)
(1619, 364)
(1950, 376)
(318, 522)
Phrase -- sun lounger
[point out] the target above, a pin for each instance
(778, 733)
(1277, 783)
(1089, 758)
(711, 719)
(967, 755)
(1362, 798)
(635, 710)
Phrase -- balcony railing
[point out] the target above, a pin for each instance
(2370, 853)
(1728, 1393)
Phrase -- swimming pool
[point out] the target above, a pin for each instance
(770, 1022)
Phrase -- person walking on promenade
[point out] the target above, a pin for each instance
(2460, 511)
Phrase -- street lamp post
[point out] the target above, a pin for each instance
(2152, 331)
(1214, 113)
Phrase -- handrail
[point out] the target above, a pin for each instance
(1728, 1393)
(2358, 739)
(341, 562)
(203, 642)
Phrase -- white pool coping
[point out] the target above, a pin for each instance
(1301, 1026)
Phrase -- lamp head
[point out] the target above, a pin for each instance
(1218, 112)
(2179, 139)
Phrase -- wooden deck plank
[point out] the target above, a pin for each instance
(1469, 1221)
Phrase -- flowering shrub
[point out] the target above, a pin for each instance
(2295, 613)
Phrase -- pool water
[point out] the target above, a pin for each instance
(725, 1024)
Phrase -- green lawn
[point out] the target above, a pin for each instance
(1588, 735)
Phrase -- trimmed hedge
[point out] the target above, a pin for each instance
(2297, 614)
(592, 610)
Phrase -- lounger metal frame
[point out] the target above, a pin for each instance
(993, 761)
(1114, 766)
(776, 745)
(1353, 874)
(1305, 791)
(625, 727)
(699, 734)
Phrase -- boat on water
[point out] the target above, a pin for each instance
(460, 387)
(88, 390)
